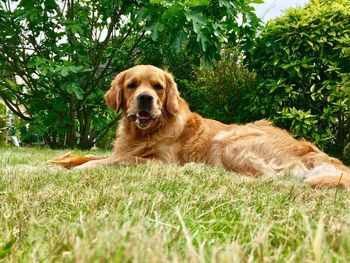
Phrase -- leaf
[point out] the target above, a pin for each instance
(10, 82)
(144, 14)
(50, 4)
(310, 43)
(75, 28)
(224, 3)
(155, 28)
(203, 40)
(312, 88)
(197, 3)
(34, 15)
(178, 40)
(64, 71)
(79, 69)
(198, 20)
(313, 96)
(78, 92)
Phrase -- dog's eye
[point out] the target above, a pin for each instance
(132, 85)
(158, 86)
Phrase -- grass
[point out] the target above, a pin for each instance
(163, 213)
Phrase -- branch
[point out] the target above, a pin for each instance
(16, 93)
(13, 59)
(105, 130)
(97, 58)
(18, 47)
(110, 59)
(14, 107)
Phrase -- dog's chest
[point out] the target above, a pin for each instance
(168, 153)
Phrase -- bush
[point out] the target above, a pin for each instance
(218, 92)
(107, 142)
(2, 110)
(27, 133)
(346, 154)
(3, 133)
(301, 60)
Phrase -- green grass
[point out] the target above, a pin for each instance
(163, 213)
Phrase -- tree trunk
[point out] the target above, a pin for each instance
(61, 140)
(86, 140)
(71, 134)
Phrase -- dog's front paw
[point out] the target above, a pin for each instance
(87, 165)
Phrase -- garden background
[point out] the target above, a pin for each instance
(57, 59)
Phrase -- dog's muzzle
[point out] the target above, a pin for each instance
(144, 116)
(145, 101)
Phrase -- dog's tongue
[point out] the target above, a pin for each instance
(144, 116)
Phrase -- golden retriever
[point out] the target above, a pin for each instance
(158, 125)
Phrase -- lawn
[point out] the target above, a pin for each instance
(163, 213)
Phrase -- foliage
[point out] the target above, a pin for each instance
(107, 141)
(346, 154)
(219, 92)
(27, 135)
(300, 60)
(2, 110)
(66, 52)
(3, 132)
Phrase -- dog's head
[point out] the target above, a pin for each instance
(144, 93)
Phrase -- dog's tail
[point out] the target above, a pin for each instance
(328, 176)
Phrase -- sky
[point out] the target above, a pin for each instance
(274, 8)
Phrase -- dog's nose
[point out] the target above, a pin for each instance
(145, 98)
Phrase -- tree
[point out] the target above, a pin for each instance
(301, 60)
(67, 51)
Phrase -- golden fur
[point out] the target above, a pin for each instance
(171, 133)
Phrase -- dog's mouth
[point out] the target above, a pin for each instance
(144, 116)
(142, 119)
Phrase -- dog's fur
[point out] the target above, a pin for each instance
(164, 129)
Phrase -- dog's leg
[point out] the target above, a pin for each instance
(255, 159)
(328, 175)
(112, 160)
(326, 171)
(242, 161)
(133, 160)
(97, 163)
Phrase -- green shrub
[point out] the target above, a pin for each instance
(3, 133)
(27, 133)
(2, 110)
(346, 154)
(218, 92)
(108, 139)
(301, 60)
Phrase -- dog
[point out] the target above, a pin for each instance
(158, 125)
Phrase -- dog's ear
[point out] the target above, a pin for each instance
(172, 93)
(114, 96)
